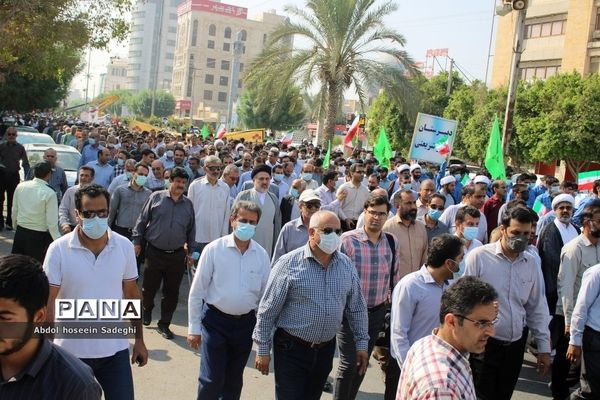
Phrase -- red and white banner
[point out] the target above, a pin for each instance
(221, 131)
(352, 131)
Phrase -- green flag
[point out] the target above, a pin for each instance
(494, 159)
(326, 160)
(383, 150)
(204, 132)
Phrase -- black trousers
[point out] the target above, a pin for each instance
(496, 371)
(31, 243)
(168, 269)
(8, 184)
(590, 366)
(392, 378)
(126, 232)
(560, 365)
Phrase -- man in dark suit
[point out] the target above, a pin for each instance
(289, 204)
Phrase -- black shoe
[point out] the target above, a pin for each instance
(165, 332)
(328, 387)
(8, 228)
(146, 319)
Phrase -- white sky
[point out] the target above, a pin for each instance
(462, 26)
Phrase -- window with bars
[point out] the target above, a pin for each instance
(545, 29)
(222, 97)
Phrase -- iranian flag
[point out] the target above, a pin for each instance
(288, 138)
(540, 208)
(221, 132)
(351, 132)
(585, 180)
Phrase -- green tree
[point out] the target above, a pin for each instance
(434, 97)
(388, 113)
(125, 99)
(141, 104)
(279, 113)
(345, 41)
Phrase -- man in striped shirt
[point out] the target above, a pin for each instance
(308, 292)
(437, 366)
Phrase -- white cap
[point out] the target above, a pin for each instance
(447, 180)
(403, 167)
(219, 142)
(309, 195)
(563, 198)
(482, 179)
(240, 146)
(414, 166)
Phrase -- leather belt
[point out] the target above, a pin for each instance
(303, 342)
(165, 251)
(376, 308)
(215, 309)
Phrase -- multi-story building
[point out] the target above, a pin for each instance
(152, 44)
(560, 36)
(115, 77)
(204, 68)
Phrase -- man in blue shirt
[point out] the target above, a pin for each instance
(104, 172)
(89, 152)
(583, 203)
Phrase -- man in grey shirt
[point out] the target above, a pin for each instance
(66, 210)
(166, 224)
(294, 234)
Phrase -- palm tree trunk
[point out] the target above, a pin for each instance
(333, 100)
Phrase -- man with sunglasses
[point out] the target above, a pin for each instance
(210, 197)
(431, 219)
(516, 274)
(309, 292)
(11, 153)
(437, 366)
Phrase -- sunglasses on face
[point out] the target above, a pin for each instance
(328, 230)
(214, 168)
(312, 206)
(94, 213)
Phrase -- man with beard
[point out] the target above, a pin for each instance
(415, 177)
(411, 234)
(426, 189)
(491, 208)
(520, 192)
(29, 363)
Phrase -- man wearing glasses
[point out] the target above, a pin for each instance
(437, 366)
(431, 219)
(309, 292)
(210, 197)
(516, 274)
(11, 153)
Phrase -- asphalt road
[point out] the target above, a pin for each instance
(172, 370)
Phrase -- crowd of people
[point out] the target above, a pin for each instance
(443, 277)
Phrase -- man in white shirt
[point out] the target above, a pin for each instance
(356, 195)
(231, 278)
(308, 169)
(471, 196)
(210, 197)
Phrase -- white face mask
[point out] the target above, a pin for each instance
(329, 243)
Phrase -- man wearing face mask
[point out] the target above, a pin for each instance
(167, 226)
(90, 150)
(467, 226)
(448, 184)
(416, 300)
(411, 234)
(579, 255)
(125, 177)
(308, 293)
(373, 182)
(289, 206)
(517, 276)
(329, 200)
(473, 197)
(223, 301)
(119, 166)
(431, 219)
(67, 218)
(308, 170)
(278, 181)
(93, 262)
(168, 159)
(552, 187)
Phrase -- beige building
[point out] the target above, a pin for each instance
(116, 75)
(560, 36)
(203, 68)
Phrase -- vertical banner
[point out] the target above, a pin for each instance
(433, 139)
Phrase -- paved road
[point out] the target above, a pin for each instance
(172, 370)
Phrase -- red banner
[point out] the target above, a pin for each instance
(213, 7)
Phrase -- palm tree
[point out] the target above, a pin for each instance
(346, 43)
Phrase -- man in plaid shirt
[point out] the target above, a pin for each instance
(437, 366)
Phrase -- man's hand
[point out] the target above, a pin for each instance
(362, 361)
(350, 223)
(574, 354)
(65, 228)
(341, 196)
(138, 249)
(140, 353)
(194, 341)
(190, 261)
(567, 330)
(543, 363)
(262, 364)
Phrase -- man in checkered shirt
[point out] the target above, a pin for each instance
(437, 366)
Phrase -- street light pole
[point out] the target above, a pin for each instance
(507, 129)
(238, 49)
(160, 7)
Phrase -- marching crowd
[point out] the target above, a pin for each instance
(444, 278)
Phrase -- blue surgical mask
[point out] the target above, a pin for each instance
(120, 162)
(128, 175)
(554, 188)
(307, 176)
(294, 193)
(244, 231)
(461, 270)
(329, 243)
(167, 183)
(458, 177)
(277, 177)
(530, 186)
(407, 186)
(94, 228)
(141, 180)
(434, 214)
(92, 141)
(470, 232)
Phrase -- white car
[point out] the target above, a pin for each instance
(27, 137)
(67, 158)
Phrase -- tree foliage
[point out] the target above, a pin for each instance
(164, 103)
(125, 99)
(388, 113)
(345, 39)
(276, 113)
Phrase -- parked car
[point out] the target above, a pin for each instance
(24, 128)
(67, 158)
(28, 137)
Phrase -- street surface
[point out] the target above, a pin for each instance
(172, 370)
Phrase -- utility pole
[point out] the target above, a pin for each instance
(160, 8)
(487, 66)
(507, 129)
(449, 88)
(238, 49)
(88, 76)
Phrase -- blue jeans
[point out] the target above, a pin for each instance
(300, 372)
(114, 375)
(224, 350)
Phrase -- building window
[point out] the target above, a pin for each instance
(594, 65)
(241, 67)
(170, 43)
(172, 29)
(208, 95)
(169, 56)
(227, 33)
(173, 16)
(598, 20)
(210, 62)
(227, 47)
(137, 28)
(212, 30)
(135, 67)
(135, 53)
(223, 81)
(222, 97)
(264, 38)
(138, 14)
(244, 35)
(136, 40)
(211, 44)
(545, 29)
(190, 83)
(225, 65)
(194, 33)
(528, 74)
(168, 68)
(210, 79)
(240, 84)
